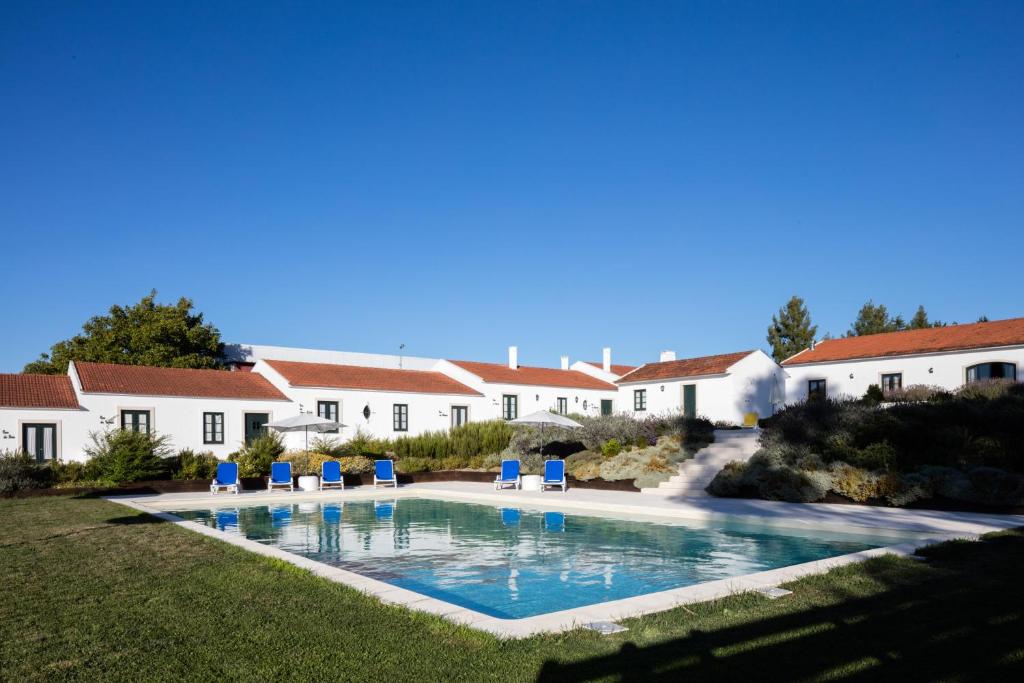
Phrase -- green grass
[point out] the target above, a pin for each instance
(93, 591)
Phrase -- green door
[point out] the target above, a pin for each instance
(606, 406)
(254, 425)
(40, 441)
(689, 400)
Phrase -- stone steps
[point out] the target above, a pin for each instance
(695, 474)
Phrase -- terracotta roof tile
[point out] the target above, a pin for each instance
(910, 342)
(687, 367)
(544, 377)
(374, 379)
(143, 380)
(616, 369)
(37, 391)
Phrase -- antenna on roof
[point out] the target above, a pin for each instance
(401, 347)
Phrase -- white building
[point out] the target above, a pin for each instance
(946, 357)
(724, 387)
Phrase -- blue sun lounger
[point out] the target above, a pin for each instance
(226, 478)
(554, 474)
(384, 473)
(280, 476)
(330, 475)
(509, 475)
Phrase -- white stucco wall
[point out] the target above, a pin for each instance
(427, 411)
(746, 387)
(947, 370)
(69, 424)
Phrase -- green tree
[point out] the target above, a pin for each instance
(874, 319)
(791, 330)
(920, 320)
(146, 333)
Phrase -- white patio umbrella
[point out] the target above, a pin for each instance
(303, 423)
(542, 418)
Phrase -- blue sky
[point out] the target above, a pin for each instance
(458, 177)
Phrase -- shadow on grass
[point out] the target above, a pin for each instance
(959, 618)
(130, 520)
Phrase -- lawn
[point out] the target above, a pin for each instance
(94, 591)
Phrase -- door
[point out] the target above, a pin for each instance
(40, 441)
(254, 425)
(689, 400)
(460, 415)
(606, 406)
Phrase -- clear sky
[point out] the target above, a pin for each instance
(462, 176)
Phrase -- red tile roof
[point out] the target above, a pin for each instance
(687, 367)
(910, 342)
(544, 377)
(37, 391)
(374, 379)
(143, 380)
(616, 369)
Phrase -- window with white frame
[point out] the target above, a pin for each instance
(401, 417)
(639, 399)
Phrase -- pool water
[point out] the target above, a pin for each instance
(512, 563)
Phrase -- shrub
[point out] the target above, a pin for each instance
(304, 463)
(915, 393)
(454, 462)
(853, 482)
(873, 395)
(255, 457)
(123, 455)
(492, 462)
(584, 465)
(730, 481)
(355, 464)
(192, 465)
(362, 444)
(413, 465)
(611, 447)
(633, 464)
(20, 471)
(989, 389)
(476, 462)
(328, 445)
(67, 472)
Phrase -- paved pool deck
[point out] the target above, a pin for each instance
(910, 529)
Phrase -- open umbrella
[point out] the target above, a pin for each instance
(542, 418)
(303, 423)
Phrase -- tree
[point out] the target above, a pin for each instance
(791, 330)
(874, 319)
(146, 333)
(920, 320)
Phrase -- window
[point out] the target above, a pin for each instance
(401, 414)
(509, 407)
(892, 382)
(329, 411)
(39, 441)
(213, 427)
(460, 415)
(816, 388)
(135, 420)
(562, 405)
(606, 406)
(639, 399)
(983, 371)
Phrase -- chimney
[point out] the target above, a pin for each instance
(513, 357)
(606, 359)
(667, 356)
(565, 362)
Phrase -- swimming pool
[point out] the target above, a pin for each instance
(514, 562)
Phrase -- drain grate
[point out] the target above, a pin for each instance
(773, 593)
(605, 627)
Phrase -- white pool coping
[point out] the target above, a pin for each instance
(927, 526)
